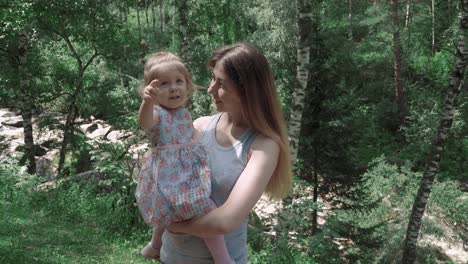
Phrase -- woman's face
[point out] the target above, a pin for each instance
(223, 91)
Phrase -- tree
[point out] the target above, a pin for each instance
(433, 48)
(446, 119)
(16, 41)
(399, 94)
(183, 34)
(304, 23)
(84, 41)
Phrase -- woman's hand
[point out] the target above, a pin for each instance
(179, 227)
(189, 227)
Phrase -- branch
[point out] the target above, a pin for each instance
(53, 97)
(96, 53)
(66, 39)
(125, 152)
(72, 49)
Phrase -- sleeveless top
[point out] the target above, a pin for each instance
(227, 164)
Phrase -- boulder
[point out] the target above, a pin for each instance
(13, 122)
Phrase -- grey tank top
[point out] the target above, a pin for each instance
(227, 164)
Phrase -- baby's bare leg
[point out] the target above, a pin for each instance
(218, 250)
(152, 249)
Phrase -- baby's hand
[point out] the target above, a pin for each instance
(150, 93)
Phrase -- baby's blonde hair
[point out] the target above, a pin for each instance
(160, 59)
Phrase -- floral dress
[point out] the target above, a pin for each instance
(174, 181)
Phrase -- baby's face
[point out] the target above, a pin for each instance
(172, 89)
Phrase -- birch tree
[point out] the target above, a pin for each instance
(138, 20)
(433, 28)
(455, 85)
(304, 23)
(183, 22)
(162, 21)
(397, 63)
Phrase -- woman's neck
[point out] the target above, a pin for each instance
(235, 120)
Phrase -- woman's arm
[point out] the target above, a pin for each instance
(245, 194)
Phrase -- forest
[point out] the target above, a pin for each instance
(373, 93)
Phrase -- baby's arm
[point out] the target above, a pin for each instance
(146, 116)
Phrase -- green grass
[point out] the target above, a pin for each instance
(81, 222)
(29, 235)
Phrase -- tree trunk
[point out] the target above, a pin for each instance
(162, 20)
(138, 21)
(425, 187)
(397, 65)
(73, 108)
(126, 11)
(119, 7)
(66, 134)
(304, 23)
(350, 19)
(408, 26)
(315, 195)
(407, 18)
(153, 20)
(183, 22)
(146, 14)
(26, 113)
(433, 29)
(173, 21)
(26, 105)
(449, 10)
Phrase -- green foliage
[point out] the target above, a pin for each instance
(450, 205)
(278, 253)
(200, 104)
(374, 218)
(15, 184)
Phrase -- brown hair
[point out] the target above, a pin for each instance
(164, 59)
(251, 74)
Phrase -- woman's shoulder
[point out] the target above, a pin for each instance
(263, 142)
(201, 123)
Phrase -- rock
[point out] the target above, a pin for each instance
(13, 123)
(117, 135)
(89, 128)
(50, 143)
(15, 133)
(44, 168)
(5, 112)
(100, 132)
(39, 151)
(87, 175)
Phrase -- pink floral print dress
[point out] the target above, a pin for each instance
(174, 181)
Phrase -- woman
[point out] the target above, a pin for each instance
(248, 150)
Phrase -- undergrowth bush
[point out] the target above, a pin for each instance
(16, 184)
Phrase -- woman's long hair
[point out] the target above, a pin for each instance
(251, 73)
